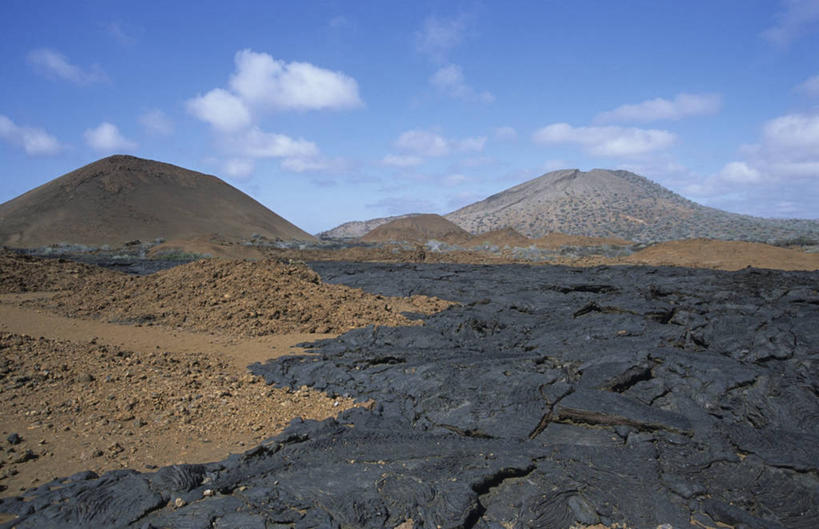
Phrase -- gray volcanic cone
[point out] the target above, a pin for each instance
(606, 203)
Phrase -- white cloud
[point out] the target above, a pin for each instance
(261, 83)
(220, 108)
(453, 180)
(156, 122)
(302, 165)
(796, 18)
(809, 87)
(506, 133)
(423, 143)
(439, 36)
(795, 136)
(476, 161)
(683, 105)
(54, 65)
(788, 149)
(114, 29)
(473, 144)
(238, 168)
(316, 163)
(606, 141)
(397, 160)
(450, 81)
(255, 143)
(429, 144)
(35, 142)
(260, 80)
(107, 138)
(740, 172)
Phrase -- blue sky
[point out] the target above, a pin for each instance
(333, 111)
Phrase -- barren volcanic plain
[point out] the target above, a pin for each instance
(423, 376)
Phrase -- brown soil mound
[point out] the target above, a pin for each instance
(211, 245)
(724, 255)
(505, 237)
(20, 273)
(122, 198)
(420, 228)
(95, 407)
(238, 298)
(557, 240)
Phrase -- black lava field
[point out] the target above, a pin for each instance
(548, 397)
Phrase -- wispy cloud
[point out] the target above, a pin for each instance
(107, 138)
(438, 36)
(238, 168)
(787, 149)
(156, 123)
(399, 160)
(116, 31)
(429, 144)
(320, 164)
(340, 22)
(809, 87)
(436, 39)
(796, 18)
(506, 133)
(54, 65)
(682, 106)
(606, 141)
(296, 155)
(455, 179)
(34, 141)
(256, 143)
(741, 173)
(449, 80)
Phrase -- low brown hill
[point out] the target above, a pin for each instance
(504, 237)
(559, 240)
(122, 198)
(724, 255)
(420, 228)
(358, 228)
(237, 297)
(212, 246)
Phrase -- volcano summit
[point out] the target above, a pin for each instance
(122, 198)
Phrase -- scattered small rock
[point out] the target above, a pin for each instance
(28, 455)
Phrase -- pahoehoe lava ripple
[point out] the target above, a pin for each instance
(548, 397)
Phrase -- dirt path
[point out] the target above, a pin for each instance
(89, 395)
(240, 352)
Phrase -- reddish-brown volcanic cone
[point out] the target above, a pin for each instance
(502, 237)
(122, 198)
(420, 228)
